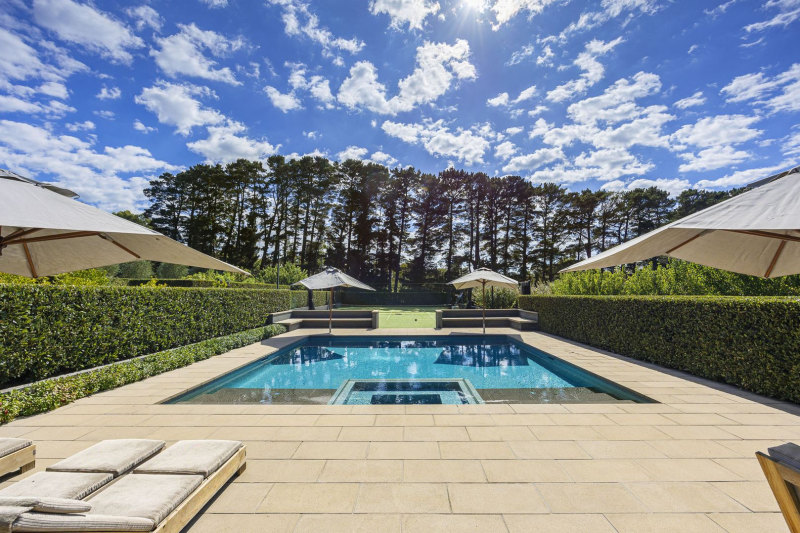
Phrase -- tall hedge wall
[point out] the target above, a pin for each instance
(749, 342)
(48, 330)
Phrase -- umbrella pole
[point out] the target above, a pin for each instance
(483, 290)
(330, 313)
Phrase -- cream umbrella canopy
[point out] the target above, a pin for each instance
(483, 277)
(755, 233)
(44, 231)
(330, 278)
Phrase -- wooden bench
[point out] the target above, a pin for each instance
(342, 318)
(495, 318)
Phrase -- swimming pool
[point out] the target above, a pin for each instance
(409, 370)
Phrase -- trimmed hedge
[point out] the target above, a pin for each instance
(48, 330)
(750, 342)
(54, 393)
(136, 282)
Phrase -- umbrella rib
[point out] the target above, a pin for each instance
(687, 241)
(767, 234)
(19, 233)
(30, 260)
(112, 241)
(56, 237)
(775, 258)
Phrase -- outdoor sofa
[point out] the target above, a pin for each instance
(16, 454)
(495, 318)
(781, 466)
(122, 485)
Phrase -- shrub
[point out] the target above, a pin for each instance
(170, 271)
(290, 273)
(48, 330)
(53, 393)
(503, 298)
(676, 277)
(136, 269)
(749, 342)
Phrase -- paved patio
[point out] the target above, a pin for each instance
(685, 464)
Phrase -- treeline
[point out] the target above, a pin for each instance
(399, 227)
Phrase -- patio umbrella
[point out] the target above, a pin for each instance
(756, 233)
(483, 277)
(45, 231)
(330, 278)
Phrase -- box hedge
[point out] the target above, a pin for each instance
(136, 282)
(750, 342)
(53, 393)
(48, 330)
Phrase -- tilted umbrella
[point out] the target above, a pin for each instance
(330, 278)
(44, 231)
(756, 233)
(483, 277)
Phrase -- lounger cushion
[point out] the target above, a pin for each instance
(41, 522)
(111, 456)
(75, 485)
(8, 446)
(203, 457)
(46, 505)
(788, 454)
(144, 496)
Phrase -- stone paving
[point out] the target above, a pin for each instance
(685, 464)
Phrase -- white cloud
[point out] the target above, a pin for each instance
(109, 94)
(438, 65)
(791, 145)
(546, 57)
(145, 16)
(54, 108)
(503, 99)
(778, 93)
(75, 164)
(54, 88)
(505, 150)
(105, 113)
(712, 158)
(695, 100)
(788, 12)
(505, 10)
(673, 186)
(499, 100)
(226, 143)
(592, 69)
(533, 160)
(181, 53)
(84, 25)
(514, 130)
(717, 130)
(610, 9)
(139, 126)
(742, 177)
(284, 101)
(352, 152)
(383, 158)
(521, 55)
(299, 20)
(215, 3)
(468, 146)
(310, 134)
(318, 86)
(405, 12)
(176, 105)
(87, 125)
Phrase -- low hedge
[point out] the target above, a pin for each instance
(54, 393)
(48, 330)
(136, 282)
(750, 342)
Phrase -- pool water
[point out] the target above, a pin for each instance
(407, 370)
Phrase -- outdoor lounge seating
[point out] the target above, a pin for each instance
(16, 454)
(495, 318)
(782, 468)
(342, 318)
(123, 485)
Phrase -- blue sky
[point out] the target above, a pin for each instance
(102, 96)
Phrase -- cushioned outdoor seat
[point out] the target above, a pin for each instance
(110, 456)
(75, 485)
(782, 470)
(16, 454)
(201, 457)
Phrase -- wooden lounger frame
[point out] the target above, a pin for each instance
(23, 460)
(780, 478)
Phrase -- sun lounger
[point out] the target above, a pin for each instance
(163, 494)
(782, 469)
(16, 454)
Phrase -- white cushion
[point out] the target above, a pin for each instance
(112, 456)
(75, 485)
(8, 445)
(47, 505)
(45, 522)
(202, 457)
(144, 496)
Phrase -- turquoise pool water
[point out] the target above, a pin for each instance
(407, 370)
